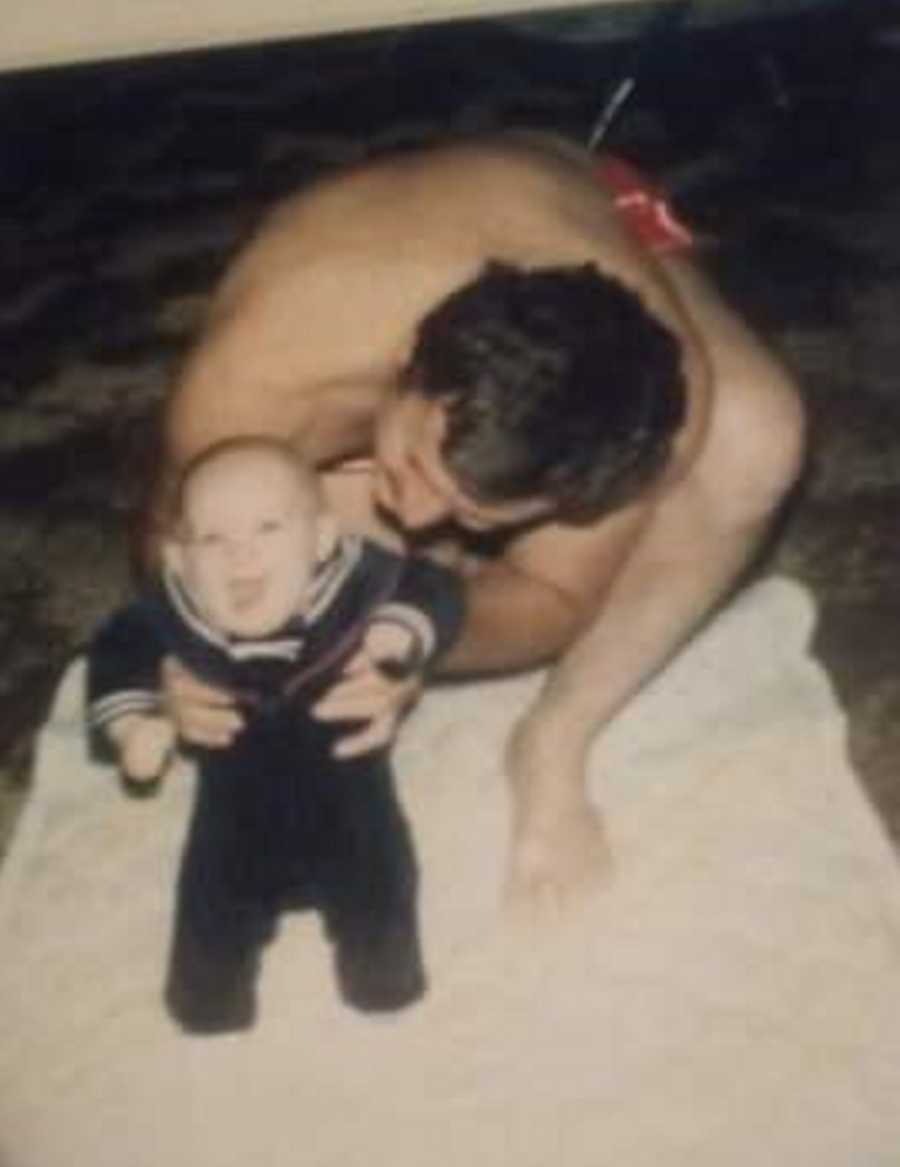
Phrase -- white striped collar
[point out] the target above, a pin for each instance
(331, 575)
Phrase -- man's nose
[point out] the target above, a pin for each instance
(421, 508)
(384, 489)
(411, 502)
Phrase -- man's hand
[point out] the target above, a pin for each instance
(202, 714)
(370, 691)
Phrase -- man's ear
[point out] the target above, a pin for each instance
(326, 536)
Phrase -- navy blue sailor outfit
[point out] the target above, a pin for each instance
(278, 822)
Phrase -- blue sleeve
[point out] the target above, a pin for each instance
(123, 672)
(429, 602)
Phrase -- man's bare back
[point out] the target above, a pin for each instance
(307, 338)
(313, 322)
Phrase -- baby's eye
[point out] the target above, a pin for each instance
(270, 526)
(210, 539)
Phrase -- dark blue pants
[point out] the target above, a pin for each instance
(278, 824)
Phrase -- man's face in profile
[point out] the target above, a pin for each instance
(412, 482)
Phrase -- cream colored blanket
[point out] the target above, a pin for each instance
(733, 998)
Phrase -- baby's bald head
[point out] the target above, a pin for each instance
(248, 533)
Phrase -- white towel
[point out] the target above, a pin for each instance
(733, 997)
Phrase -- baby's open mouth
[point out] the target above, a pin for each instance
(246, 592)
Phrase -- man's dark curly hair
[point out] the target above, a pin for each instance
(558, 384)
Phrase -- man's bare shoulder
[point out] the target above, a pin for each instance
(331, 290)
(408, 228)
(526, 198)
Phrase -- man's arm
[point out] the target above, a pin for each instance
(520, 611)
(526, 607)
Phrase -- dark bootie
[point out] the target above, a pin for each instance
(380, 972)
(211, 991)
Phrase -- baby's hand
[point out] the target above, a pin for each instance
(146, 748)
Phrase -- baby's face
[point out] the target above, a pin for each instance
(249, 543)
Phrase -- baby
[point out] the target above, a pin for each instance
(260, 593)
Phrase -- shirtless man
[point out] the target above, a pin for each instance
(310, 336)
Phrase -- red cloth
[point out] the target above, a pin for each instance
(643, 207)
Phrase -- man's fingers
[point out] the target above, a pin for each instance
(358, 664)
(364, 693)
(355, 706)
(364, 699)
(377, 734)
(202, 719)
(213, 727)
(182, 685)
(204, 714)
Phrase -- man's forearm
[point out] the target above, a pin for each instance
(512, 622)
